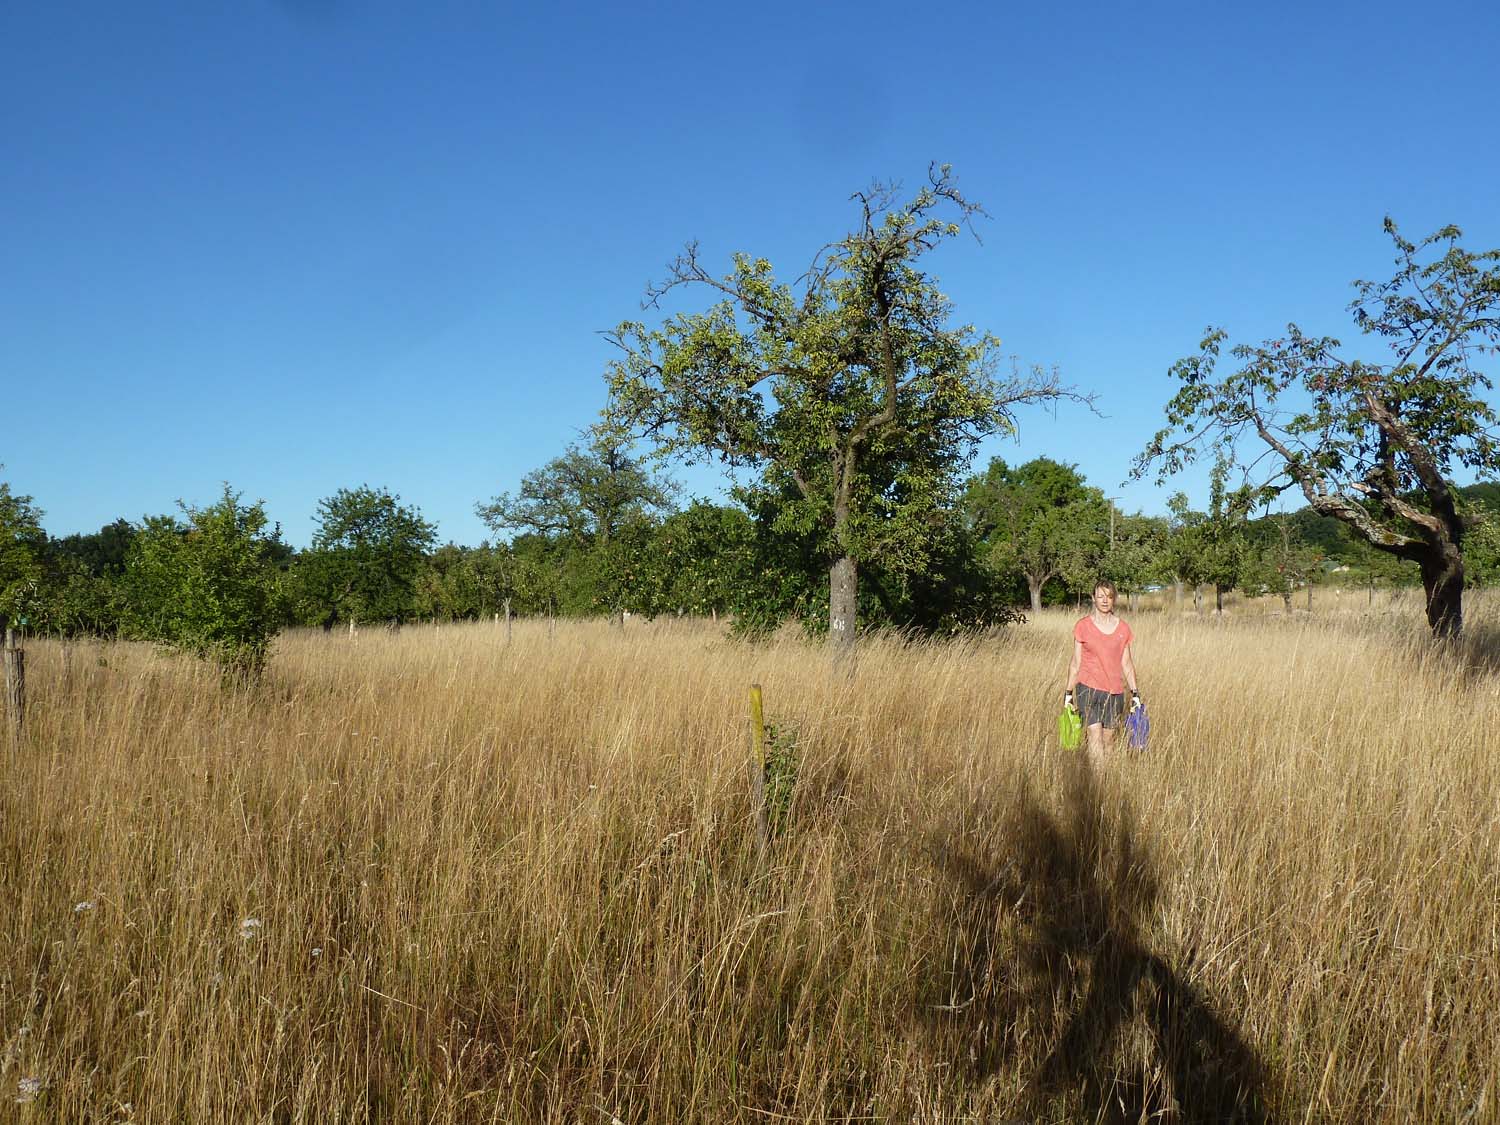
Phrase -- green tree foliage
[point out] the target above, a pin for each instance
(955, 591)
(1372, 444)
(101, 553)
(367, 552)
(1482, 547)
(699, 561)
(855, 400)
(1135, 555)
(1040, 520)
(22, 546)
(1208, 548)
(592, 513)
(475, 583)
(449, 588)
(585, 497)
(1175, 559)
(1276, 559)
(209, 585)
(77, 602)
(83, 593)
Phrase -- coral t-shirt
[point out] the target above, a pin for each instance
(1102, 654)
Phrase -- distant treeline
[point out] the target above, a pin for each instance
(594, 532)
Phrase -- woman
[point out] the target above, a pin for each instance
(1101, 658)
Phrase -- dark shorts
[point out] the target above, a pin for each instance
(1097, 707)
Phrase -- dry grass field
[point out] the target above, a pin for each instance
(436, 877)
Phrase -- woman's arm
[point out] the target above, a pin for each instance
(1073, 666)
(1127, 665)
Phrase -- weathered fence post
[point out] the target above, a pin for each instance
(15, 683)
(507, 621)
(758, 768)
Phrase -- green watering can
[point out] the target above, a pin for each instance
(1070, 728)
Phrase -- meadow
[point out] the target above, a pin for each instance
(440, 875)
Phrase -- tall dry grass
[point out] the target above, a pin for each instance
(434, 877)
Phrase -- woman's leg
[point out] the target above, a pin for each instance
(1095, 733)
(1101, 740)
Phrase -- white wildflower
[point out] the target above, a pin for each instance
(249, 928)
(29, 1088)
(317, 951)
(84, 907)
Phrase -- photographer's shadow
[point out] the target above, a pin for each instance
(1073, 890)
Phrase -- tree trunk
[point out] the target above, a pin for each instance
(1177, 590)
(15, 683)
(1197, 598)
(1286, 600)
(1443, 581)
(843, 602)
(1218, 599)
(1309, 595)
(1036, 594)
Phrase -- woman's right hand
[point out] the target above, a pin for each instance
(1068, 698)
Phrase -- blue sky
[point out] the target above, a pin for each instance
(309, 244)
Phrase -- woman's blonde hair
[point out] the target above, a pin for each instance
(1106, 584)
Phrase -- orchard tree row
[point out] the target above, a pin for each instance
(851, 404)
(594, 532)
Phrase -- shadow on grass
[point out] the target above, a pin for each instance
(1050, 965)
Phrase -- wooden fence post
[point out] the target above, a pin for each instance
(507, 621)
(758, 768)
(15, 683)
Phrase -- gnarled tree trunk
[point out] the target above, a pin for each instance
(1443, 581)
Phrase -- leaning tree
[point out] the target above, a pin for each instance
(853, 395)
(1374, 444)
